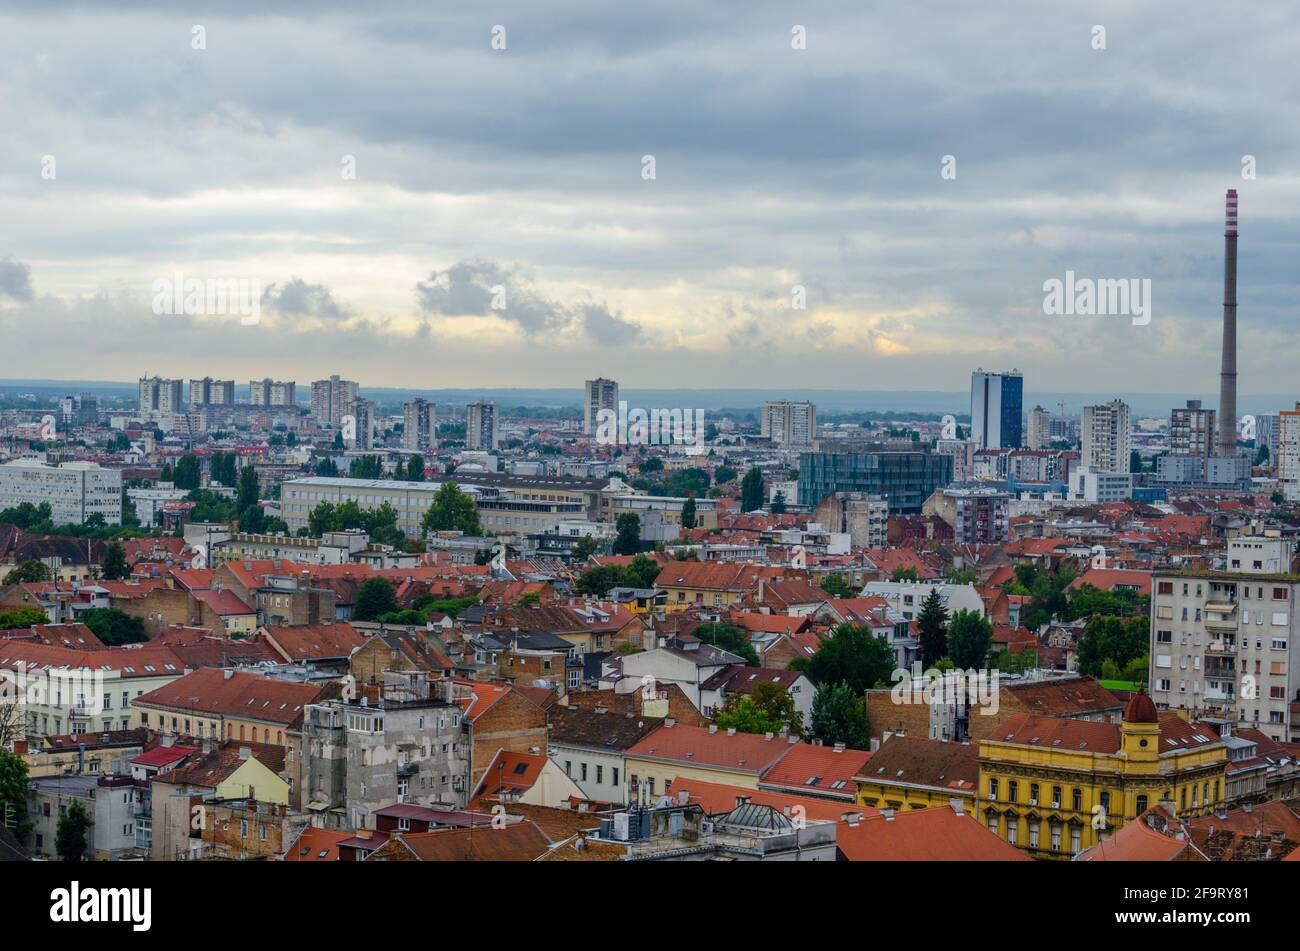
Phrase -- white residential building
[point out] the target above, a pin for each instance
(1106, 437)
(597, 395)
(1222, 642)
(481, 426)
(789, 423)
(74, 490)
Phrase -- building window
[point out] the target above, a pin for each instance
(1074, 841)
(1033, 835)
(1056, 838)
(1076, 800)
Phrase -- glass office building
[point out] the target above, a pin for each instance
(904, 479)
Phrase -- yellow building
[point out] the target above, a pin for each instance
(226, 704)
(913, 772)
(679, 752)
(1054, 786)
(706, 583)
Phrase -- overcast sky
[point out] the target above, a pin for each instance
(522, 169)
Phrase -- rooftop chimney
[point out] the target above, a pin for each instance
(1228, 368)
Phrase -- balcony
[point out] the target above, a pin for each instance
(1226, 646)
(1220, 616)
(407, 769)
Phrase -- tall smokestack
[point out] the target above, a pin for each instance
(1228, 369)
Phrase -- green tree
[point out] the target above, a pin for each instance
(15, 618)
(253, 520)
(729, 638)
(584, 548)
(852, 654)
(114, 566)
(70, 839)
(688, 513)
(768, 709)
(933, 625)
(724, 474)
(327, 467)
(366, 467)
(29, 571)
(628, 540)
(13, 787)
(1121, 641)
(840, 716)
(375, 597)
(751, 491)
(905, 574)
(451, 510)
(415, 469)
(248, 489)
(778, 505)
(835, 585)
(186, 475)
(321, 519)
(970, 638)
(113, 626)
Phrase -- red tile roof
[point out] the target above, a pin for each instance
(935, 834)
(689, 745)
(818, 770)
(305, 642)
(211, 691)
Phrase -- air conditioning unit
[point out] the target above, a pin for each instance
(1056, 805)
(1033, 802)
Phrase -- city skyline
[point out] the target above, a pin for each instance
(779, 179)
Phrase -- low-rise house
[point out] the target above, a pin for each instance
(742, 679)
(76, 691)
(531, 778)
(325, 647)
(226, 705)
(108, 800)
(675, 752)
(688, 666)
(244, 829)
(591, 747)
(912, 772)
(178, 818)
(498, 717)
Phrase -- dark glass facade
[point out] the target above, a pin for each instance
(904, 479)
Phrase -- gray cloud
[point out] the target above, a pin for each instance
(297, 298)
(772, 164)
(15, 280)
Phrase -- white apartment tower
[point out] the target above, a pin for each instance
(420, 426)
(268, 392)
(1039, 430)
(1222, 640)
(1288, 454)
(331, 398)
(161, 397)
(789, 423)
(1191, 430)
(481, 425)
(1107, 437)
(597, 395)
